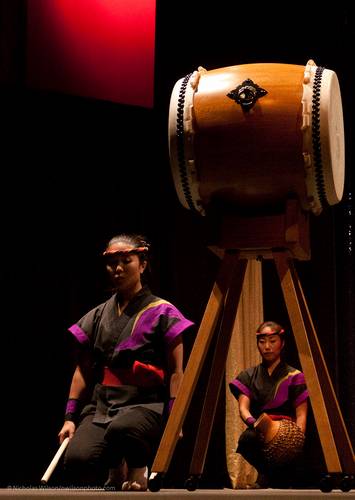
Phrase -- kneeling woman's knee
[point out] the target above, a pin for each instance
(77, 456)
(119, 429)
(247, 439)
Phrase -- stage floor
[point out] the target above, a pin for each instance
(169, 494)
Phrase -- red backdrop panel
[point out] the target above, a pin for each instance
(94, 48)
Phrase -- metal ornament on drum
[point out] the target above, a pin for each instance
(283, 440)
(254, 135)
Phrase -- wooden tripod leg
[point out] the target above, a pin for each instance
(342, 439)
(335, 442)
(217, 370)
(193, 368)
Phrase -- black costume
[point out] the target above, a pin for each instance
(277, 394)
(125, 416)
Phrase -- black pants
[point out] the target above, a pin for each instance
(278, 476)
(132, 435)
(250, 447)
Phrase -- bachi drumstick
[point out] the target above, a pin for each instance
(54, 461)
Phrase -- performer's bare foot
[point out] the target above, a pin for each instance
(261, 483)
(116, 477)
(137, 479)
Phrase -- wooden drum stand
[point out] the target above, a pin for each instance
(281, 238)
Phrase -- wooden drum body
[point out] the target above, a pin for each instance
(283, 440)
(289, 142)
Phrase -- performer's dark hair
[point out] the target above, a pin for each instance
(276, 327)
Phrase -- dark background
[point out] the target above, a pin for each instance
(75, 171)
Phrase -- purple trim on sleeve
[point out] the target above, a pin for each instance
(177, 328)
(237, 387)
(79, 334)
(302, 397)
(298, 379)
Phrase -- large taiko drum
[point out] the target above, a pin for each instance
(283, 440)
(254, 135)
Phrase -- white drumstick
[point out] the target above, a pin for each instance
(54, 461)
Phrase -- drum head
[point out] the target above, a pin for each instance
(332, 138)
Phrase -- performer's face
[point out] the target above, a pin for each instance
(270, 347)
(124, 268)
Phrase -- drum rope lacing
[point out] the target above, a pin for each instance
(316, 140)
(286, 445)
(180, 137)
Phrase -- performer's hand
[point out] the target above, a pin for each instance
(67, 430)
(169, 408)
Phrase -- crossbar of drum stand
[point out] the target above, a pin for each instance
(335, 442)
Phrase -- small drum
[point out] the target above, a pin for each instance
(283, 440)
(254, 135)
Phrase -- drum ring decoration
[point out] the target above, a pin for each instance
(287, 444)
(180, 142)
(291, 144)
(317, 148)
(247, 94)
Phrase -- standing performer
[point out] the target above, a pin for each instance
(278, 390)
(129, 369)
